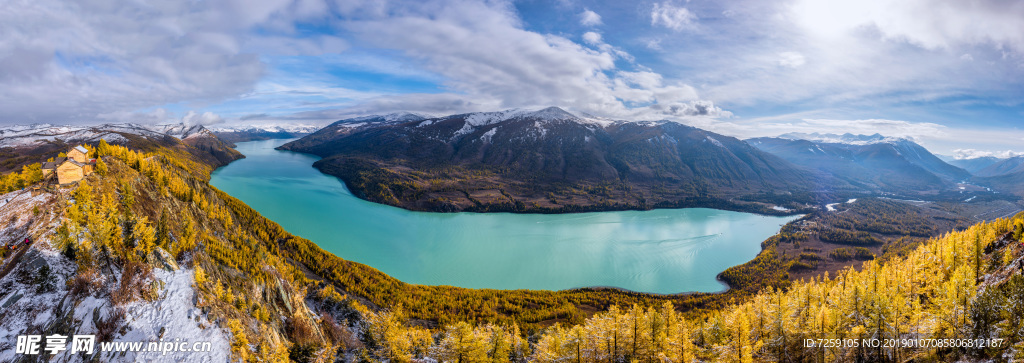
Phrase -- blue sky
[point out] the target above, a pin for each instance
(947, 73)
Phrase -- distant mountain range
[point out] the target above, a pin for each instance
(340, 129)
(975, 165)
(549, 160)
(999, 167)
(20, 145)
(873, 163)
(1004, 174)
(242, 133)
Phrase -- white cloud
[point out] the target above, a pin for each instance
(654, 44)
(490, 62)
(161, 116)
(589, 18)
(960, 154)
(927, 23)
(673, 17)
(937, 138)
(193, 118)
(157, 116)
(68, 62)
(849, 64)
(791, 59)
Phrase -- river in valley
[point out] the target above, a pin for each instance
(658, 251)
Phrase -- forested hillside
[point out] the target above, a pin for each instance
(957, 297)
(148, 221)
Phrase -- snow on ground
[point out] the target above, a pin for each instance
(175, 314)
(851, 200)
(487, 118)
(486, 137)
(24, 306)
(27, 309)
(778, 208)
(16, 210)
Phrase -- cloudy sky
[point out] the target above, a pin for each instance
(948, 73)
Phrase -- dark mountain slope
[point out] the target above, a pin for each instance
(550, 161)
(343, 128)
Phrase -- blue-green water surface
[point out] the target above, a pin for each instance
(658, 251)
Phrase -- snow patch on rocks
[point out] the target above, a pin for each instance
(486, 137)
(175, 316)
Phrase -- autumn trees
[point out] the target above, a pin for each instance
(933, 293)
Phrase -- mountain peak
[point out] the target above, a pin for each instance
(553, 112)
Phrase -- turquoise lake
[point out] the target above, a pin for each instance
(660, 251)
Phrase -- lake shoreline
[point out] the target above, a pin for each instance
(507, 202)
(696, 202)
(660, 243)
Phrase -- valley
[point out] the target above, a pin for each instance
(664, 251)
(260, 291)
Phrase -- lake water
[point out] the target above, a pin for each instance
(658, 251)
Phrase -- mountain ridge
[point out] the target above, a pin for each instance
(876, 163)
(541, 160)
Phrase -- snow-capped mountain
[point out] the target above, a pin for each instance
(181, 131)
(549, 147)
(41, 141)
(345, 127)
(33, 135)
(289, 128)
(242, 133)
(22, 136)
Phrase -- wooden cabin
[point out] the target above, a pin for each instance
(79, 153)
(76, 166)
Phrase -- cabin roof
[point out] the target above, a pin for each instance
(81, 149)
(53, 164)
(60, 162)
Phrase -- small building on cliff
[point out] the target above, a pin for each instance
(76, 166)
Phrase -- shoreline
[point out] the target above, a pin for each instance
(725, 286)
